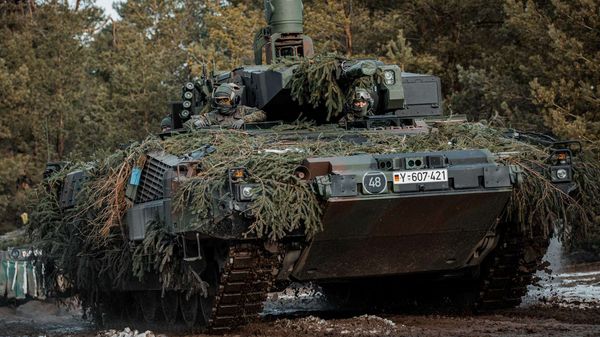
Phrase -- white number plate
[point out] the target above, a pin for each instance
(420, 176)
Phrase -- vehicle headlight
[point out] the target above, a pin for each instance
(188, 95)
(187, 104)
(389, 77)
(562, 174)
(185, 114)
(189, 86)
(247, 192)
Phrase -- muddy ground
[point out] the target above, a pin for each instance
(539, 320)
(567, 303)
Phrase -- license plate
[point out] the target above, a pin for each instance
(421, 176)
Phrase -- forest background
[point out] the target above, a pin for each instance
(75, 84)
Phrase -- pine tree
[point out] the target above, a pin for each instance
(401, 53)
(140, 65)
(45, 95)
(563, 62)
(228, 37)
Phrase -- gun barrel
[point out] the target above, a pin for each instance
(285, 16)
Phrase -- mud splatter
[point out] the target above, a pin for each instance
(566, 303)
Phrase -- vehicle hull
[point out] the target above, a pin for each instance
(387, 236)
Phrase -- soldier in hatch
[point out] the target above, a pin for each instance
(166, 124)
(361, 105)
(227, 111)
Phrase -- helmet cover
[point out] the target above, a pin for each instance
(362, 102)
(226, 97)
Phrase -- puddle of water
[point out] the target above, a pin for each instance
(296, 298)
(577, 286)
(579, 275)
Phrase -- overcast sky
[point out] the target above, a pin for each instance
(107, 5)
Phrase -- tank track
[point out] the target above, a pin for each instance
(248, 275)
(508, 271)
(247, 272)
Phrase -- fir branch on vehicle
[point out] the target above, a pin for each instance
(91, 252)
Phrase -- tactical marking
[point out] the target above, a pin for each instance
(374, 182)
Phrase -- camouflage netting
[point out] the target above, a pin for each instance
(320, 82)
(90, 249)
(586, 235)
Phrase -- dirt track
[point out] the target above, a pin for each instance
(532, 321)
(567, 304)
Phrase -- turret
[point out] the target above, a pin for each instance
(284, 36)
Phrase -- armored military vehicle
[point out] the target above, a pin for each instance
(20, 275)
(398, 215)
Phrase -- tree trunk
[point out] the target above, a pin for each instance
(60, 133)
(60, 136)
(31, 6)
(348, 29)
(114, 33)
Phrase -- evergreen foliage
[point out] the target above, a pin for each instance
(90, 249)
(320, 82)
(74, 84)
(229, 36)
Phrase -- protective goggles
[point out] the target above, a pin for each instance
(223, 101)
(360, 104)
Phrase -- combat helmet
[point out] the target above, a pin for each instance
(226, 98)
(166, 124)
(361, 103)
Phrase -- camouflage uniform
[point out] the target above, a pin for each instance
(240, 116)
(351, 117)
(166, 124)
(228, 113)
(355, 112)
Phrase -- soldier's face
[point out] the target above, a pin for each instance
(360, 104)
(223, 101)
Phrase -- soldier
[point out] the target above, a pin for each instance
(166, 124)
(228, 112)
(362, 105)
